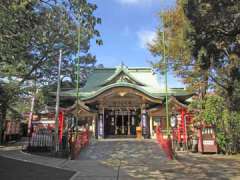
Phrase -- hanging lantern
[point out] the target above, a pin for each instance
(173, 121)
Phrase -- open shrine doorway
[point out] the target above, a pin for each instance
(121, 111)
(121, 123)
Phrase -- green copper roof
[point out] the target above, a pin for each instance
(141, 79)
(125, 71)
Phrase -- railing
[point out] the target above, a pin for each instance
(41, 141)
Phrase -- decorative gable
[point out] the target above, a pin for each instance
(122, 75)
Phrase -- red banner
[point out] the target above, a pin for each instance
(166, 144)
(60, 127)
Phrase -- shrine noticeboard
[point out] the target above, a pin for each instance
(12, 127)
(207, 140)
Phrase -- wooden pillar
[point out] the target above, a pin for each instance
(128, 123)
(185, 129)
(103, 122)
(144, 121)
(151, 127)
(94, 125)
(179, 126)
(100, 126)
(183, 123)
(115, 122)
(141, 111)
(122, 123)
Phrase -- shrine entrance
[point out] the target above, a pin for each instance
(120, 111)
(121, 123)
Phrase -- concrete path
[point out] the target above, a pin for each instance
(106, 159)
(132, 159)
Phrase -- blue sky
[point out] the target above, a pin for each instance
(127, 25)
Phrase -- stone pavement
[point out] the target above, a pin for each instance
(106, 159)
(209, 166)
(133, 159)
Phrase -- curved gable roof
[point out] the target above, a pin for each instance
(141, 79)
(122, 70)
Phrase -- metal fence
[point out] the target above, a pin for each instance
(42, 140)
(72, 143)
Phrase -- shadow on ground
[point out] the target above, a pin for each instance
(132, 159)
(11, 169)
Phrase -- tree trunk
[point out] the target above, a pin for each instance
(3, 109)
(205, 86)
(231, 108)
(230, 98)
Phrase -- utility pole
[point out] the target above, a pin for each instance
(169, 139)
(57, 102)
(78, 58)
(166, 81)
(78, 71)
(78, 65)
(31, 114)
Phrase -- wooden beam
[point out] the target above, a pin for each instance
(117, 90)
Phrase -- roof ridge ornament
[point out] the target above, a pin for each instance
(125, 76)
(123, 66)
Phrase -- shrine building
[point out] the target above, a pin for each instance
(114, 101)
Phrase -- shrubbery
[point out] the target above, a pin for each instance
(227, 124)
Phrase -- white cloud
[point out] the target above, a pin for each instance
(146, 37)
(134, 2)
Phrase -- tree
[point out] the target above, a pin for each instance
(31, 34)
(216, 114)
(176, 26)
(203, 42)
(216, 36)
